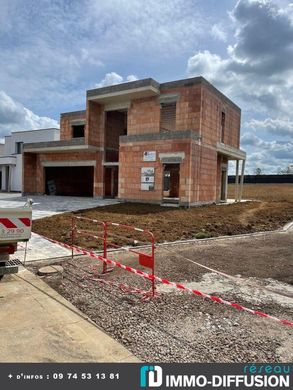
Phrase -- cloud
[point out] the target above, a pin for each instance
(136, 26)
(15, 117)
(219, 33)
(279, 127)
(56, 49)
(264, 38)
(268, 155)
(257, 72)
(114, 78)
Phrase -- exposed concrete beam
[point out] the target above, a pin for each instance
(231, 152)
(126, 95)
(82, 148)
(69, 163)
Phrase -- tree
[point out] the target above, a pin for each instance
(258, 171)
(286, 171)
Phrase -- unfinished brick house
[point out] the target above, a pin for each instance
(142, 141)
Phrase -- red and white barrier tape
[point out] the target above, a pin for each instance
(146, 294)
(95, 277)
(173, 284)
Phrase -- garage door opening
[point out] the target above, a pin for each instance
(69, 181)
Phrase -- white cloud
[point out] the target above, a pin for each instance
(131, 77)
(258, 75)
(136, 26)
(210, 65)
(219, 33)
(257, 72)
(113, 78)
(268, 155)
(279, 126)
(15, 117)
(55, 49)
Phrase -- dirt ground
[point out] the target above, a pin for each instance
(272, 208)
(177, 327)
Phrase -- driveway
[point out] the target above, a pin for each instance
(46, 206)
(41, 326)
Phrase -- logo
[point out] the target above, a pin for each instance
(151, 376)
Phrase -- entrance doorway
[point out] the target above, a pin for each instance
(111, 182)
(223, 185)
(171, 181)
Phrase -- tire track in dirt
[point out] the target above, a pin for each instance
(244, 217)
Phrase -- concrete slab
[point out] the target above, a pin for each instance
(38, 248)
(41, 326)
(46, 206)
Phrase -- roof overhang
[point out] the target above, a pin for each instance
(67, 145)
(231, 152)
(127, 95)
(62, 149)
(124, 92)
(8, 160)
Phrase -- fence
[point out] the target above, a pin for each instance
(107, 231)
(265, 179)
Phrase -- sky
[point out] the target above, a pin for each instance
(52, 51)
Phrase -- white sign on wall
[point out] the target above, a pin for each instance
(147, 178)
(147, 187)
(149, 156)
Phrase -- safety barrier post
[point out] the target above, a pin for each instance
(73, 234)
(153, 267)
(144, 259)
(105, 247)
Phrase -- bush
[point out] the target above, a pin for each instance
(201, 235)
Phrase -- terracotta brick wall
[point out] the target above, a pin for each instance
(29, 183)
(34, 172)
(144, 116)
(116, 125)
(65, 124)
(187, 107)
(99, 175)
(207, 182)
(131, 162)
(212, 107)
(95, 124)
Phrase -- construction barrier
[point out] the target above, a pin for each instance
(108, 232)
(173, 284)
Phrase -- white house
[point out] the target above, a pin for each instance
(11, 155)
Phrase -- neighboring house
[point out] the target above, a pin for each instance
(1, 154)
(11, 156)
(142, 141)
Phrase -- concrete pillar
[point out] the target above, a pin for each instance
(236, 180)
(9, 178)
(241, 179)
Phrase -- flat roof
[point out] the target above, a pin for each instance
(149, 83)
(72, 113)
(30, 131)
(130, 85)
